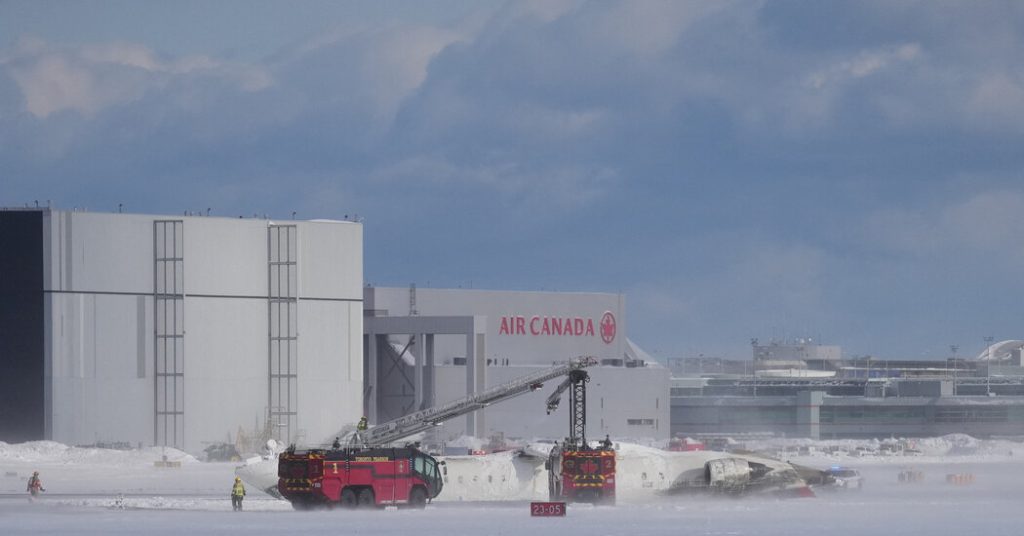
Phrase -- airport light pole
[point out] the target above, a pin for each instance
(953, 348)
(988, 365)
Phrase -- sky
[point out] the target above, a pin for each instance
(851, 172)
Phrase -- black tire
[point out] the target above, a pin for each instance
(588, 496)
(349, 499)
(418, 498)
(307, 504)
(365, 498)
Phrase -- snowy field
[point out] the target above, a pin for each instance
(83, 487)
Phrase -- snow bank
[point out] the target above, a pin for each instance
(172, 503)
(947, 448)
(85, 470)
(51, 453)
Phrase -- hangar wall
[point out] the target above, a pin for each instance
(522, 332)
(184, 332)
(516, 320)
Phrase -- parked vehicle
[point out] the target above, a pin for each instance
(845, 478)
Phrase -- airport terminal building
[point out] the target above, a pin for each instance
(806, 390)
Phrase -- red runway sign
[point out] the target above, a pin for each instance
(547, 509)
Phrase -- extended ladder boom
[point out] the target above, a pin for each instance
(577, 380)
(424, 420)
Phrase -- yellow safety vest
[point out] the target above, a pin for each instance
(238, 490)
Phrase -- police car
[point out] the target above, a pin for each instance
(845, 478)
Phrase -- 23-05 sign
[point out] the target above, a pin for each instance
(547, 509)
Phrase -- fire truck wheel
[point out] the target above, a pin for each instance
(418, 498)
(366, 498)
(587, 496)
(302, 505)
(348, 498)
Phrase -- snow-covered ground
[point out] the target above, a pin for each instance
(83, 487)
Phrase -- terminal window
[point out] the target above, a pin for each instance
(969, 414)
(640, 422)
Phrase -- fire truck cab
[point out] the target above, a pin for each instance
(581, 475)
(358, 478)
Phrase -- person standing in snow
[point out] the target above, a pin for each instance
(237, 492)
(34, 485)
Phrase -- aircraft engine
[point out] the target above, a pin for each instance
(727, 473)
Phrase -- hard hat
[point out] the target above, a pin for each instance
(238, 479)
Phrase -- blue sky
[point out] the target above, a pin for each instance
(847, 171)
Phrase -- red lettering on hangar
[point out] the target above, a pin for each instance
(546, 325)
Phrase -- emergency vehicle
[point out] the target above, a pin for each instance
(358, 478)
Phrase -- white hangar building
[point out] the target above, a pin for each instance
(432, 346)
(177, 331)
(190, 330)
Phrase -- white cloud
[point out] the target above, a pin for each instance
(91, 78)
(372, 70)
(865, 63)
(51, 84)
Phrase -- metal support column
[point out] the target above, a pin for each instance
(420, 357)
(470, 381)
(169, 333)
(283, 331)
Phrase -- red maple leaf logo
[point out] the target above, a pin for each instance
(608, 327)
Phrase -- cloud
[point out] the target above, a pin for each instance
(734, 165)
(986, 227)
(997, 101)
(374, 68)
(863, 64)
(93, 78)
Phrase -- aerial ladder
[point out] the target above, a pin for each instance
(414, 423)
(578, 472)
(366, 472)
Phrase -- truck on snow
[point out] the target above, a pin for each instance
(363, 471)
(358, 478)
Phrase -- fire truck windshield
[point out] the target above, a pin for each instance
(426, 467)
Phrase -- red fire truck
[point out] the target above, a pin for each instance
(358, 478)
(582, 475)
(578, 472)
(366, 473)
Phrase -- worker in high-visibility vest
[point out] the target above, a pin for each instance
(34, 485)
(363, 425)
(237, 492)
